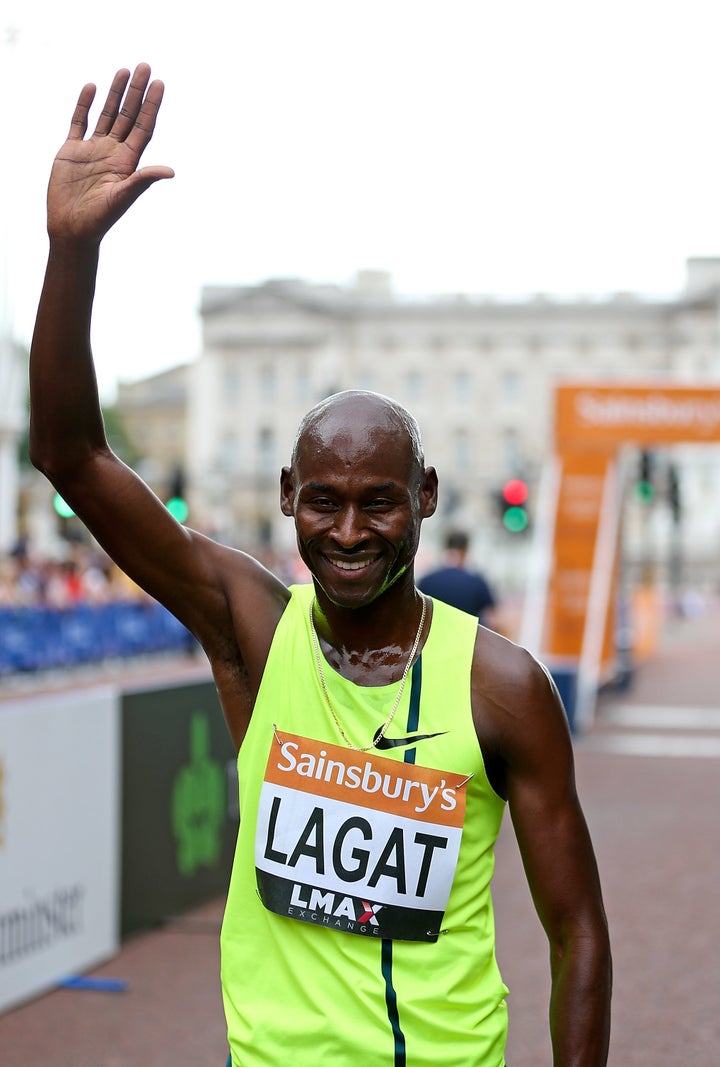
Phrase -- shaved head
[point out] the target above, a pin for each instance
(377, 413)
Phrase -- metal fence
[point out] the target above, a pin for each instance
(42, 638)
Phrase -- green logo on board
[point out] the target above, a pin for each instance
(198, 803)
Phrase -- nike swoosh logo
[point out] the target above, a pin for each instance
(400, 742)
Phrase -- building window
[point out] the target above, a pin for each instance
(302, 385)
(413, 385)
(229, 452)
(267, 383)
(510, 385)
(462, 453)
(265, 451)
(264, 531)
(510, 450)
(231, 381)
(462, 385)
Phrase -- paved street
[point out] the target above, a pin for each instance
(649, 778)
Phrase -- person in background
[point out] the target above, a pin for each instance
(460, 585)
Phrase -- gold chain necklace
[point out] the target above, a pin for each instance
(323, 684)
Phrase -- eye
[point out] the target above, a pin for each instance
(322, 503)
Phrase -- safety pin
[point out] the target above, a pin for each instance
(277, 736)
(465, 781)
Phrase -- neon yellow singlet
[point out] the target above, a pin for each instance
(308, 993)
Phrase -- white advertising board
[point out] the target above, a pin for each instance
(59, 839)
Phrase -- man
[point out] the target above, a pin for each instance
(380, 733)
(455, 583)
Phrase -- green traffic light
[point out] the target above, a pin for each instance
(178, 508)
(62, 508)
(515, 519)
(645, 492)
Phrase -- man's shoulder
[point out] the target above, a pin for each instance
(506, 676)
(255, 597)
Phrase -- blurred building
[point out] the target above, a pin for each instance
(154, 413)
(13, 417)
(477, 371)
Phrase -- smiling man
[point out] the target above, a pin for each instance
(380, 734)
(358, 453)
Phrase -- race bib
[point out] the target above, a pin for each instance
(356, 842)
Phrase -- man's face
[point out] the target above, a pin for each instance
(358, 497)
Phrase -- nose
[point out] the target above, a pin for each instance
(349, 526)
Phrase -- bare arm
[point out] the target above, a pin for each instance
(523, 726)
(92, 183)
(94, 180)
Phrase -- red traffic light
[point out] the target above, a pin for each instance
(515, 492)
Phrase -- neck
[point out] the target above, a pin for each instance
(370, 645)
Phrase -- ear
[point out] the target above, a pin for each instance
(287, 492)
(428, 493)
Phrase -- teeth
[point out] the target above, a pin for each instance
(346, 565)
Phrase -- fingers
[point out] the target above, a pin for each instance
(130, 110)
(112, 104)
(79, 121)
(144, 124)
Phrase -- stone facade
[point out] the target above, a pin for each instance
(477, 372)
(154, 413)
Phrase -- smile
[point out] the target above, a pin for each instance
(350, 565)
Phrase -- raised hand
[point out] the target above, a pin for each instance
(95, 180)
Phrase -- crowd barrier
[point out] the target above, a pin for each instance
(59, 838)
(118, 811)
(40, 638)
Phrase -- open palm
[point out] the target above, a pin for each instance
(95, 180)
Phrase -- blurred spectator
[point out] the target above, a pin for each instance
(56, 613)
(85, 575)
(457, 584)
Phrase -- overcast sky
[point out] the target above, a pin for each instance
(462, 145)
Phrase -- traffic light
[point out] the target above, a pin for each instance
(513, 505)
(69, 527)
(674, 498)
(176, 503)
(62, 508)
(644, 486)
